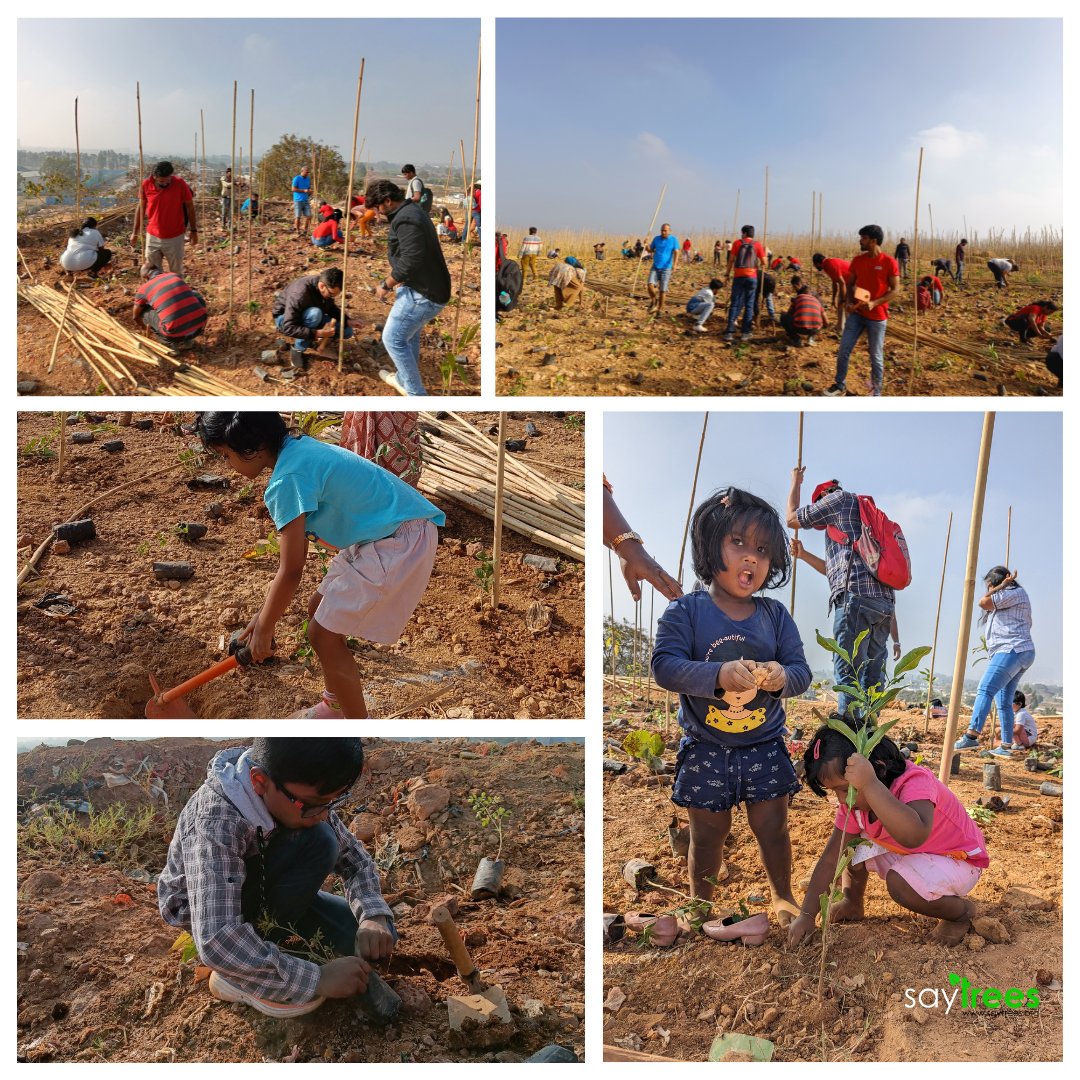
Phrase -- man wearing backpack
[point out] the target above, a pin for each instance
(415, 190)
(857, 598)
(744, 258)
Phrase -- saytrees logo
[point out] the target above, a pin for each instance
(968, 996)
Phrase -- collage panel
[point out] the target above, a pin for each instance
(783, 253)
(840, 745)
(262, 899)
(327, 565)
(240, 229)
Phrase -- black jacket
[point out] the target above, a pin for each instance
(295, 299)
(416, 257)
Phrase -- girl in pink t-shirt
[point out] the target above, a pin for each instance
(920, 839)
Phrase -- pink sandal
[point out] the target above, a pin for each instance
(662, 929)
(751, 931)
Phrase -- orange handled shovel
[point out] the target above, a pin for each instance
(170, 704)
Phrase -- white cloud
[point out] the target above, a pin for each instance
(945, 142)
(652, 146)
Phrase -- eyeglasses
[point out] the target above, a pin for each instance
(310, 810)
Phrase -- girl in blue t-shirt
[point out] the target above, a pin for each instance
(382, 531)
(732, 657)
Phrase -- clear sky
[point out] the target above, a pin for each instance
(918, 466)
(839, 106)
(418, 97)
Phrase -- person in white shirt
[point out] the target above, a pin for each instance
(1025, 730)
(531, 246)
(85, 250)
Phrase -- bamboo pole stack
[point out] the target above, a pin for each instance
(460, 464)
(109, 347)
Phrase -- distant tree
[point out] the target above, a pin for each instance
(58, 175)
(277, 167)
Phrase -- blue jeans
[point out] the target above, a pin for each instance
(743, 291)
(702, 311)
(401, 336)
(998, 684)
(852, 616)
(959, 273)
(660, 278)
(314, 319)
(875, 342)
(296, 862)
(322, 241)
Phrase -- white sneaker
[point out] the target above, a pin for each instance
(224, 990)
(391, 379)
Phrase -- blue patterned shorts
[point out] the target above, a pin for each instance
(709, 776)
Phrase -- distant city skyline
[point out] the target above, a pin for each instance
(835, 106)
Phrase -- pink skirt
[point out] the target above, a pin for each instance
(931, 876)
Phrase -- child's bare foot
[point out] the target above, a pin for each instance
(952, 931)
(785, 911)
(846, 910)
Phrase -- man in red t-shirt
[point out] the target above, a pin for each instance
(873, 279)
(1030, 321)
(836, 270)
(744, 259)
(167, 207)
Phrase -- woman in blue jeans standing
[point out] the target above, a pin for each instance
(1007, 614)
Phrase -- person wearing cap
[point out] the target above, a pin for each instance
(419, 279)
(167, 207)
(858, 601)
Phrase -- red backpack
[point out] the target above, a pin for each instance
(880, 544)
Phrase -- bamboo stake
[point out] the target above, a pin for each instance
(472, 187)
(496, 544)
(795, 562)
(765, 244)
(937, 621)
(251, 182)
(915, 281)
(930, 211)
(348, 224)
(232, 215)
(449, 173)
(820, 213)
(142, 166)
(202, 171)
(735, 220)
(813, 227)
(62, 451)
(1008, 539)
(614, 637)
(22, 259)
(968, 596)
(634, 659)
(78, 165)
(648, 239)
(60, 327)
(648, 683)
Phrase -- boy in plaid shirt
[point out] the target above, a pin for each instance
(251, 849)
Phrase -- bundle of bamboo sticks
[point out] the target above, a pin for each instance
(109, 347)
(460, 464)
(971, 350)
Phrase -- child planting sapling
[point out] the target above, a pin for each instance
(382, 533)
(922, 842)
(251, 850)
(733, 656)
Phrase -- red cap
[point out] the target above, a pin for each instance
(823, 489)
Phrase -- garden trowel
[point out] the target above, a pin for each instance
(485, 1004)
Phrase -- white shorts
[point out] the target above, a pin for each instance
(371, 590)
(931, 876)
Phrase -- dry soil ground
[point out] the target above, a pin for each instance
(609, 345)
(97, 980)
(679, 999)
(127, 624)
(230, 349)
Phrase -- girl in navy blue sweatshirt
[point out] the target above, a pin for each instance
(733, 656)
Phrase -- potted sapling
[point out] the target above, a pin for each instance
(491, 813)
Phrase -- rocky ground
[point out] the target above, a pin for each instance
(98, 979)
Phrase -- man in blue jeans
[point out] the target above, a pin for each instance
(858, 601)
(249, 853)
(663, 249)
(307, 311)
(744, 260)
(418, 278)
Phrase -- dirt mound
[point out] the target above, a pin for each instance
(710, 987)
(453, 660)
(97, 980)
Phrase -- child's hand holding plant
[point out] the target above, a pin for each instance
(859, 773)
(736, 675)
(770, 677)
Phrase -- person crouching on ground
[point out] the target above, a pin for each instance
(381, 532)
(249, 854)
(1025, 730)
(923, 844)
(1030, 321)
(168, 307)
(85, 250)
(306, 310)
(733, 656)
(418, 279)
(328, 232)
(935, 287)
(805, 317)
(701, 304)
(567, 278)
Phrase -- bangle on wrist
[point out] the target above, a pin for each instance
(631, 535)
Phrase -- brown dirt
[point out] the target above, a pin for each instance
(98, 982)
(129, 625)
(611, 346)
(710, 987)
(278, 257)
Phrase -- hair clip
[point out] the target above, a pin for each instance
(817, 749)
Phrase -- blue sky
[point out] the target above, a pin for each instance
(610, 110)
(418, 97)
(918, 466)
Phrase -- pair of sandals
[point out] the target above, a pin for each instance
(665, 930)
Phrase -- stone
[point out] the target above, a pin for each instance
(364, 826)
(41, 882)
(542, 563)
(415, 1001)
(229, 617)
(427, 800)
(919, 1015)
(614, 1000)
(61, 547)
(410, 839)
(990, 928)
(770, 1017)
